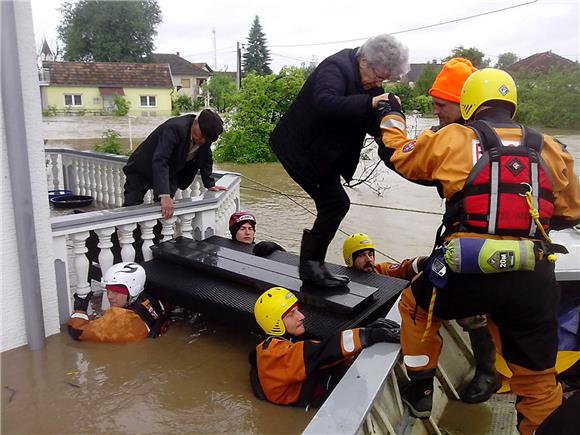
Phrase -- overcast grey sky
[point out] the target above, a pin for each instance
(187, 27)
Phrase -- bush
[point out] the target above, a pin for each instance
(121, 106)
(404, 92)
(181, 104)
(422, 104)
(549, 99)
(110, 144)
(257, 108)
(51, 110)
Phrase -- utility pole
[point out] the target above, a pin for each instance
(214, 50)
(239, 66)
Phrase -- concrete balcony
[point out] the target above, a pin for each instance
(198, 214)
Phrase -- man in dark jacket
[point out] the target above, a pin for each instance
(320, 137)
(170, 157)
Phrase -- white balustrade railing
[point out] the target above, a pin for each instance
(197, 215)
(98, 175)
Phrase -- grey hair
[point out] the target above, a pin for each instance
(384, 52)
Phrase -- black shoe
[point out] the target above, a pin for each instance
(315, 273)
(418, 395)
(486, 381)
(312, 269)
(481, 387)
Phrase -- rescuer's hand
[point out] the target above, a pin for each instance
(263, 249)
(382, 330)
(82, 302)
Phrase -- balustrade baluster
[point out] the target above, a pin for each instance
(76, 176)
(178, 195)
(185, 225)
(81, 262)
(119, 180)
(105, 257)
(48, 165)
(56, 182)
(126, 240)
(147, 236)
(195, 187)
(167, 228)
(186, 193)
(99, 177)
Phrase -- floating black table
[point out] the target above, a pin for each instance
(222, 277)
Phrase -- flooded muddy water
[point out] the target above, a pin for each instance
(195, 378)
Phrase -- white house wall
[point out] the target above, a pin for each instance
(12, 314)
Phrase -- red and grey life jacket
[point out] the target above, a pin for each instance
(493, 200)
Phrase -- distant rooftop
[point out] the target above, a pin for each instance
(542, 62)
(181, 66)
(137, 75)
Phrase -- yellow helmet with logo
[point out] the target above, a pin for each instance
(488, 84)
(353, 244)
(271, 307)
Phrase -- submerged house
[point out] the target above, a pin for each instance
(90, 87)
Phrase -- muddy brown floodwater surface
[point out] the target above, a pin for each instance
(195, 378)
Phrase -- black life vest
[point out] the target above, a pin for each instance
(492, 200)
(153, 313)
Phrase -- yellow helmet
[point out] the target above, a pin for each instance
(486, 85)
(354, 243)
(271, 307)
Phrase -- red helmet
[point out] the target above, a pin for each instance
(238, 219)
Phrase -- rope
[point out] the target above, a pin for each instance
(291, 198)
(430, 315)
(360, 204)
(535, 214)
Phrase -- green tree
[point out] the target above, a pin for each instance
(475, 55)
(404, 92)
(426, 78)
(222, 91)
(108, 31)
(259, 105)
(110, 143)
(505, 60)
(549, 99)
(121, 105)
(257, 56)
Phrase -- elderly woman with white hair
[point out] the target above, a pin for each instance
(320, 137)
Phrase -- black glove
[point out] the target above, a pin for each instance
(386, 107)
(394, 103)
(382, 330)
(263, 249)
(82, 304)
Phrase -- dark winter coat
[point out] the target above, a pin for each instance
(322, 132)
(161, 158)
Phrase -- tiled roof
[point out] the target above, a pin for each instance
(180, 66)
(542, 62)
(131, 75)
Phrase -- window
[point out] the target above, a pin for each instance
(148, 101)
(185, 83)
(74, 100)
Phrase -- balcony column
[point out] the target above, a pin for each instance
(185, 225)
(167, 228)
(105, 257)
(126, 240)
(147, 236)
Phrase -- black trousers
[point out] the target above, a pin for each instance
(523, 305)
(332, 204)
(135, 189)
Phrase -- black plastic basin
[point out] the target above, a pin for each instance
(71, 201)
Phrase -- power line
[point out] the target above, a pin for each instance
(413, 29)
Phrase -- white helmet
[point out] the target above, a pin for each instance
(130, 275)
